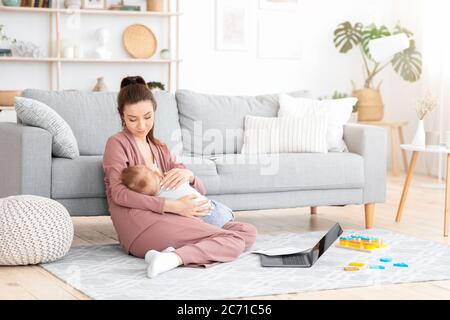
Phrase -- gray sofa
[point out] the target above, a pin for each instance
(242, 182)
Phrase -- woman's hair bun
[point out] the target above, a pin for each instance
(132, 80)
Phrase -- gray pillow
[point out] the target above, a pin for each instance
(213, 124)
(35, 113)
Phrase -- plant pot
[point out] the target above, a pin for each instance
(370, 106)
(155, 5)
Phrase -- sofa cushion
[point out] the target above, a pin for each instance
(83, 176)
(213, 124)
(37, 114)
(167, 125)
(198, 165)
(285, 135)
(78, 178)
(92, 116)
(239, 173)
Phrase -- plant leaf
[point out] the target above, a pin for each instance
(372, 32)
(346, 36)
(408, 63)
(399, 29)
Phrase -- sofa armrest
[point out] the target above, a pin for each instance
(370, 142)
(25, 162)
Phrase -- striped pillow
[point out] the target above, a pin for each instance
(285, 135)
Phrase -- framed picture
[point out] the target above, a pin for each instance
(93, 4)
(280, 5)
(232, 25)
(279, 36)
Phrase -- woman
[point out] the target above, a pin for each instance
(167, 233)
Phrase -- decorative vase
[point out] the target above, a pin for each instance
(155, 5)
(419, 137)
(101, 85)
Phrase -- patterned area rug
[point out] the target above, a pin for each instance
(105, 272)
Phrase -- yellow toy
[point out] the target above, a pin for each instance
(361, 243)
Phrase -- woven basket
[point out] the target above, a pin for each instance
(139, 41)
(370, 106)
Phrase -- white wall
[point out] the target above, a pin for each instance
(321, 69)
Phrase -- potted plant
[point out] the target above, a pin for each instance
(155, 86)
(5, 43)
(406, 63)
(423, 107)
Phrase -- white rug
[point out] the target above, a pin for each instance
(105, 272)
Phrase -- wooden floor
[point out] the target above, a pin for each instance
(423, 218)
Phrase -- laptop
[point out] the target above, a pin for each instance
(307, 258)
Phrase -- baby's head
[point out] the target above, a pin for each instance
(141, 179)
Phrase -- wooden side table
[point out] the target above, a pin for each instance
(412, 165)
(394, 127)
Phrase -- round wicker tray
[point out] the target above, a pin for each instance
(139, 41)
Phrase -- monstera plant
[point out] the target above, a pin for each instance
(406, 63)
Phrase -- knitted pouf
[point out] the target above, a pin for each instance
(33, 230)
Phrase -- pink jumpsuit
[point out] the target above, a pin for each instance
(142, 225)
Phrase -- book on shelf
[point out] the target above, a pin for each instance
(5, 53)
(130, 8)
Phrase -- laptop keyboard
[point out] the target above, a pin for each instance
(295, 259)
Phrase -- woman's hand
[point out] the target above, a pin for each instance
(187, 207)
(175, 177)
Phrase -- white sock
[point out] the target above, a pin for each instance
(160, 262)
(149, 253)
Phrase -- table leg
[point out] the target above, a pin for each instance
(402, 141)
(447, 195)
(394, 146)
(409, 176)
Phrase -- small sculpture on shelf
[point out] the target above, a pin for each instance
(100, 85)
(102, 36)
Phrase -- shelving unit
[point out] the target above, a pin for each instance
(56, 60)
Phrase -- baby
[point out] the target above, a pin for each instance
(143, 180)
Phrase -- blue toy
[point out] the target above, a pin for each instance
(401, 265)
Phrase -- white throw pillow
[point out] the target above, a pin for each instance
(285, 135)
(337, 112)
(37, 114)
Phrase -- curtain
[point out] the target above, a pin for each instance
(436, 71)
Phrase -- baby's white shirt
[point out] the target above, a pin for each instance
(183, 190)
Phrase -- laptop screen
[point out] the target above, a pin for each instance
(328, 239)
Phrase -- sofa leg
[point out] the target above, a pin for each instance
(313, 210)
(369, 209)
